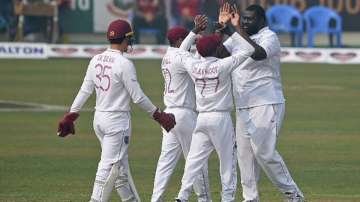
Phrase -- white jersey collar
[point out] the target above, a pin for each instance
(114, 50)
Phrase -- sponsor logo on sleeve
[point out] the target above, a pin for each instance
(126, 139)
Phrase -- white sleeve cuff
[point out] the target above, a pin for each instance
(229, 44)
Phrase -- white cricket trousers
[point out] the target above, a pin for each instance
(113, 129)
(257, 129)
(214, 130)
(174, 144)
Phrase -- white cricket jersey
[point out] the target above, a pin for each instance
(212, 77)
(179, 89)
(258, 83)
(188, 42)
(114, 79)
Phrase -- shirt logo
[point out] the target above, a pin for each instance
(126, 139)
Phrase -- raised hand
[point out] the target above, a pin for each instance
(224, 13)
(235, 16)
(200, 22)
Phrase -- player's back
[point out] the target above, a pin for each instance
(178, 89)
(212, 83)
(106, 70)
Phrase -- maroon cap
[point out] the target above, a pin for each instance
(207, 45)
(176, 33)
(119, 29)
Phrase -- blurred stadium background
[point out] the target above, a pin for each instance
(44, 51)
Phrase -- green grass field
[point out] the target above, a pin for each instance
(319, 141)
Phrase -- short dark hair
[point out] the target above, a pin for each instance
(259, 11)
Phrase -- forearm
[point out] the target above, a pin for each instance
(245, 47)
(139, 98)
(84, 93)
(145, 104)
(240, 54)
(79, 101)
(188, 41)
(259, 53)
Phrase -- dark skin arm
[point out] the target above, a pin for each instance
(259, 53)
(200, 22)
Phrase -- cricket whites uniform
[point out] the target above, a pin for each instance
(179, 99)
(114, 79)
(260, 107)
(214, 129)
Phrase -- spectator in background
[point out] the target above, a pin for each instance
(150, 14)
(7, 18)
(187, 10)
(121, 8)
(210, 8)
(41, 27)
(62, 6)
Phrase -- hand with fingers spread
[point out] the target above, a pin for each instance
(224, 14)
(200, 22)
(166, 120)
(235, 16)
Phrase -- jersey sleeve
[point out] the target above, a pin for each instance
(131, 84)
(84, 93)
(229, 45)
(188, 41)
(183, 59)
(239, 55)
(270, 43)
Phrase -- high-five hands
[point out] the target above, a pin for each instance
(229, 17)
(235, 16)
(201, 23)
(224, 14)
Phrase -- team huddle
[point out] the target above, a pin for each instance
(240, 59)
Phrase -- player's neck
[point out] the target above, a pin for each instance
(118, 47)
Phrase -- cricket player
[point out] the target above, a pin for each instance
(260, 107)
(114, 80)
(179, 99)
(214, 129)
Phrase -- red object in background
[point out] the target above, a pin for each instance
(63, 2)
(189, 7)
(147, 6)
